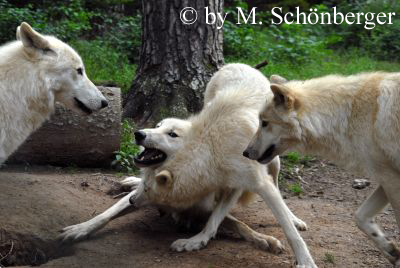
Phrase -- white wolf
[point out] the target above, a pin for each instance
(353, 121)
(35, 72)
(162, 143)
(210, 160)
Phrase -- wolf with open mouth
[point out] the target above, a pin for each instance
(160, 145)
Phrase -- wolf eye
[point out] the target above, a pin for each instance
(264, 123)
(80, 71)
(173, 134)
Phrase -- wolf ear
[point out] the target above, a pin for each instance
(32, 40)
(277, 79)
(283, 97)
(164, 178)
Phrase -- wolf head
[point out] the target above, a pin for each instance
(279, 127)
(62, 70)
(160, 144)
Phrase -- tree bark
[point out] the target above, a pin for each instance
(69, 139)
(176, 61)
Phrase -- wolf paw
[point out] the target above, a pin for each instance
(306, 266)
(269, 243)
(191, 244)
(300, 225)
(393, 255)
(75, 232)
(131, 182)
(309, 264)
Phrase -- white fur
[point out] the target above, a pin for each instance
(211, 159)
(35, 72)
(353, 121)
(218, 202)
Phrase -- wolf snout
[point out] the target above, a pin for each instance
(139, 136)
(104, 104)
(250, 153)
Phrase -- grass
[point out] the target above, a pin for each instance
(296, 189)
(329, 258)
(293, 157)
(104, 65)
(345, 63)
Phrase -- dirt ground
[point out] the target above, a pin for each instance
(36, 202)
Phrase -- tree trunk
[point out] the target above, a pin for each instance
(69, 139)
(176, 61)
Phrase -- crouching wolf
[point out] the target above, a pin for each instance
(353, 121)
(35, 72)
(161, 144)
(210, 160)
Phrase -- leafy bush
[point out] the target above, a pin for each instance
(128, 149)
(124, 34)
(296, 43)
(67, 20)
(11, 17)
(286, 42)
(381, 42)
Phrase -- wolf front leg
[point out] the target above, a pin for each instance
(83, 230)
(365, 218)
(217, 216)
(131, 182)
(268, 191)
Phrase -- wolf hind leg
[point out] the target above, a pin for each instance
(365, 219)
(262, 241)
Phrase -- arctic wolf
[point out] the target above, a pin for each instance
(209, 161)
(353, 121)
(35, 72)
(164, 141)
(160, 144)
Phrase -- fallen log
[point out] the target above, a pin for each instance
(70, 139)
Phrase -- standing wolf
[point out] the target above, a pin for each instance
(353, 121)
(210, 160)
(35, 72)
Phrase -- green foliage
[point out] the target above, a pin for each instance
(124, 35)
(104, 64)
(296, 43)
(302, 44)
(77, 19)
(295, 188)
(293, 157)
(381, 42)
(128, 149)
(342, 62)
(11, 17)
(66, 20)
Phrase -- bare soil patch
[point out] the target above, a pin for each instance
(37, 202)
